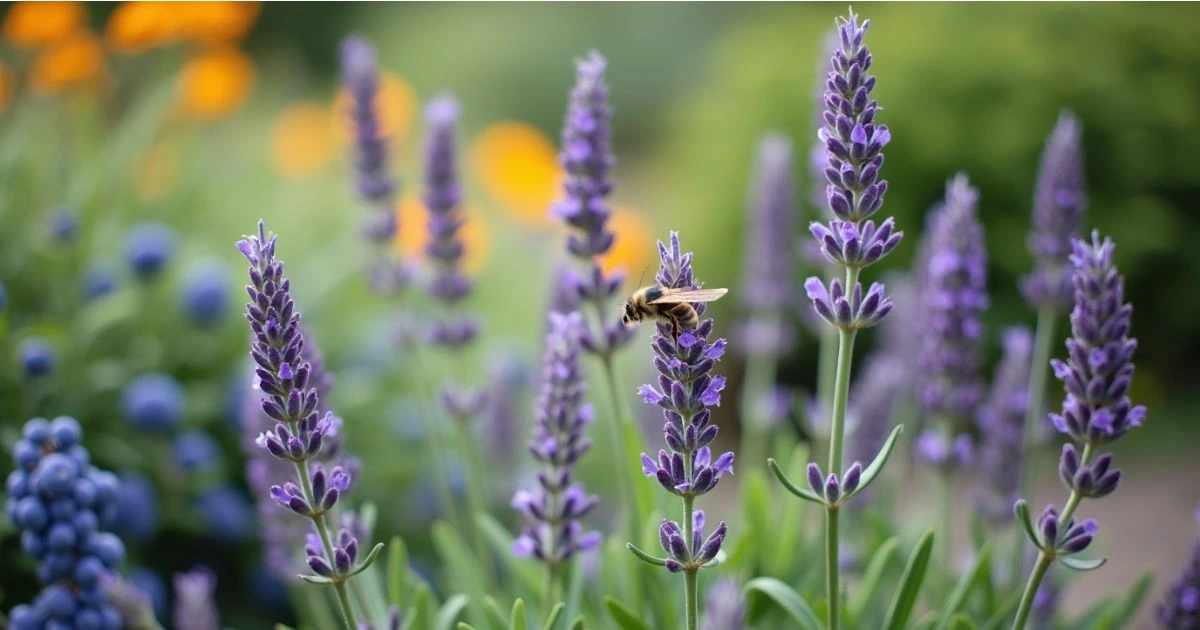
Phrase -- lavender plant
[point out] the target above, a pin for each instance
(300, 430)
(1096, 411)
(1001, 419)
(552, 511)
(194, 605)
(766, 286)
(1180, 606)
(854, 144)
(374, 184)
(62, 504)
(686, 389)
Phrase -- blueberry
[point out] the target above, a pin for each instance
(107, 486)
(58, 564)
(84, 492)
(227, 514)
(88, 571)
(153, 401)
(56, 602)
(17, 484)
(37, 357)
(136, 508)
(32, 514)
(80, 455)
(61, 537)
(63, 509)
(32, 544)
(196, 449)
(148, 247)
(89, 619)
(25, 617)
(55, 475)
(206, 292)
(85, 524)
(108, 548)
(66, 431)
(37, 431)
(112, 618)
(26, 454)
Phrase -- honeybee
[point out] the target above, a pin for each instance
(669, 305)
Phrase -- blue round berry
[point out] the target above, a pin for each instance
(88, 571)
(25, 617)
(153, 401)
(152, 586)
(17, 484)
(108, 548)
(89, 619)
(195, 450)
(33, 544)
(206, 292)
(58, 564)
(37, 431)
(26, 454)
(63, 509)
(148, 247)
(62, 225)
(107, 485)
(55, 624)
(56, 602)
(227, 514)
(85, 524)
(66, 431)
(98, 282)
(55, 476)
(112, 618)
(79, 454)
(37, 357)
(32, 514)
(136, 508)
(84, 492)
(61, 537)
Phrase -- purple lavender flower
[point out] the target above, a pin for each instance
(951, 279)
(375, 185)
(1180, 607)
(1059, 202)
(1001, 427)
(769, 257)
(292, 401)
(587, 157)
(724, 608)
(194, 605)
(818, 159)
(552, 511)
(685, 391)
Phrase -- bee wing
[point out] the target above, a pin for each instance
(674, 296)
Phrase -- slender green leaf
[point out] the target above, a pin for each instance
(450, 612)
(578, 624)
(494, 614)
(418, 615)
(315, 579)
(1119, 614)
(398, 584)
(517, 620)
(786, 598)
(552, 618)
(1082, 564)
(803, 493)
(1021, 511)
(872, 576)
(461, 563)
(366, 561)
(643, 501)
(910, 584)
(872, 471)
(1006, 609)
(624, 617)
(462, 625)
(526, 572)
(645, 557)
(969, 580)
(575, 589)
(961, 621)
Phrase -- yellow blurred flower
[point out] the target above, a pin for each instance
(633, 250)
(395, 106)
(156, 171)
(519, 167)
(302, 139)
(215, 82)
(76, 61)
(6, 83)
(413, 233)
(42, 23)
(216, 22)
(136, 26)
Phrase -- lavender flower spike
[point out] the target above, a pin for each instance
(1059, 202)
(1180, 607)
(375, 185)
(951, 279)
(552, 511)
(767, 281)
(586, 155)
(1001, 427)
(194, 605)
(686, 390)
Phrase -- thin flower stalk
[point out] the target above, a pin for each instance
(300, 431)
(1096, 412)
(686, 391)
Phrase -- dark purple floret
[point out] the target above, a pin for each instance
(375, 185)
(552, 511)
(1180, 606)
(1001, 427)
(195, 607)
(586, 155)
(1059, 202)
(1099, 366)
(951, 284)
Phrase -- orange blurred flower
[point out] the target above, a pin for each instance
(519, 167)
(76, 61)
(156, 171)
(6, 84)
(136, 26)
(395, 107)
(215, 82)
(216, 22)
(633, 250)
(302, 139)
(31, 24)
(413, 235)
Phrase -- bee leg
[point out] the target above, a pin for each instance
(675, 330)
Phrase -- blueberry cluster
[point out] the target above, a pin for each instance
(61, 503)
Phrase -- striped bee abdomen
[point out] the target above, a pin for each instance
(684, 314)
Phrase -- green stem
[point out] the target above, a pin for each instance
(837, 425)
(1038, 372)
(622, 420)
(1046, 559)
(437, 450)
(690, 600)
(827, 361)
(323, 532)
(475, 502)
(831, 566)
(759, 380)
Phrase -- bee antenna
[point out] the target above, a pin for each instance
(643, 276)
